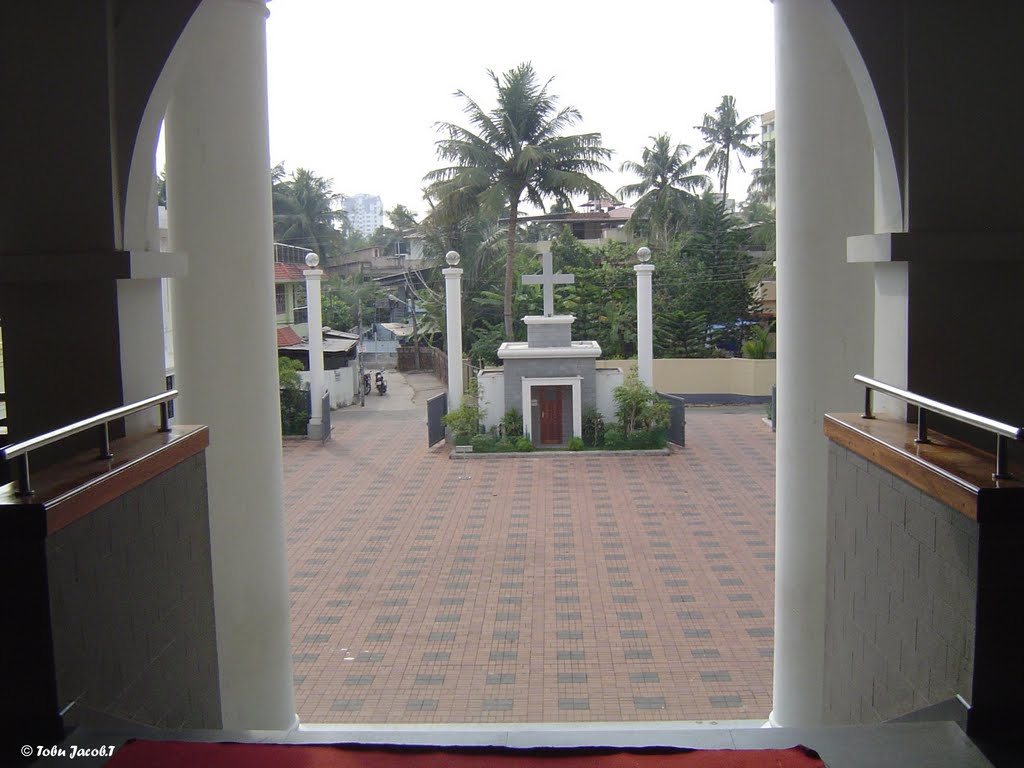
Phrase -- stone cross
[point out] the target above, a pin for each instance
(548, 280)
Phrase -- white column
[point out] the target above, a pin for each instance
(453, 337)
(825, 307)
(314, 315)
(218, 184)
(644, 323)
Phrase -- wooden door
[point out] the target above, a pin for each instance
(550, 415)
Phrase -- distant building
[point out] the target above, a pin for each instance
(365, 213)
(768, 128)
(768, 146)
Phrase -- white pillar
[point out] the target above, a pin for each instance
(314, 321)
(825, 307)
(644, 323)
(453, 337)
(218, 184)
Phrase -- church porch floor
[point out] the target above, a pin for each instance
(539, 589)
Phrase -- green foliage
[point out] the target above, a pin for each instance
(294, 401)
(342, 297)
(593, 427)
(306, 212)
(288, 372)
(517, 151)
(523, 445)
(294, 411)
(512, 423)
(728, 138)
(665, 192)
(638, 440)
(483, 443)
(638, 408)
(614, 440)
(575, 444)
(759, 345)
(464, 421)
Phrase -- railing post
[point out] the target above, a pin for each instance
(105, 441)
(922, 426)
(165, 424)
(867, 403)
(24, 481)
(1002, 470)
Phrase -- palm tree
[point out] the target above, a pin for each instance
(762, 182)
(726, 135)
(666, 185)
(304, 211)
(515, 151)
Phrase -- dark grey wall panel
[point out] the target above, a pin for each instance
(131, 599)
(900, 606)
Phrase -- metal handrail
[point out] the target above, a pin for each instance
(926, 405)
(21, 450)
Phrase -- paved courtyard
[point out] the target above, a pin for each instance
(556, 588)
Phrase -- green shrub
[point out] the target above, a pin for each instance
(576, 444)
(483, 444)
(639, 408)
(464, 421)
(593, 427)
(294, 411)
(523, 445)
(288, 372)
(512, 423)
(614, 440)
(647, 439)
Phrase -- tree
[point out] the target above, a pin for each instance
(305, 212)
(514, 152)
(762, 182)
(726, 135)
(666, 187)
(401, 218)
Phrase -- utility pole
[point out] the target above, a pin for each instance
(359, 355)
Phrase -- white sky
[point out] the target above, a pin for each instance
(356, 87)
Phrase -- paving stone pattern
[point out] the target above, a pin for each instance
(530, 589)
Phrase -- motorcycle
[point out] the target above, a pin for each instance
(382, 386)
(366, 383)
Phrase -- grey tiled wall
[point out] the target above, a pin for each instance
(517, 369)
(900, 606)
(549, 335)
(131, 598)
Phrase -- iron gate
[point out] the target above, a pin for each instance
(677, 419)
(437, 407)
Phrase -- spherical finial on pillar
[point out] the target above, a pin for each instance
(452, 257)
(312, 260)
(643, 254)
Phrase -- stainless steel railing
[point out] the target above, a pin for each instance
(926, 405)
(20, 451)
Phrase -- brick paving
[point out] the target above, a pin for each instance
(529, 589)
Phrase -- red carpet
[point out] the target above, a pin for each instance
(180, 754)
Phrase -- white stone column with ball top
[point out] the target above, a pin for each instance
(218, 204)
(453, 326)
(314, 321)
(644, 317)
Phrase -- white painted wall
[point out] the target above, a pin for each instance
(340, 383)
(492, 397)
(607, 380)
